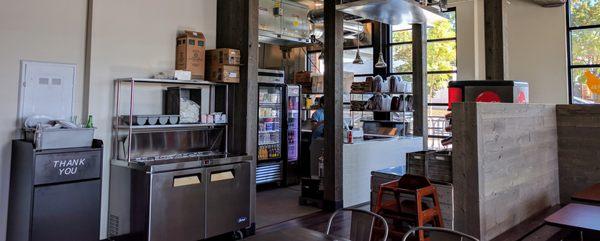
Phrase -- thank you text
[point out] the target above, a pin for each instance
(69, 167)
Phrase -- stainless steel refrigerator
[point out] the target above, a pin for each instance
(278, 134)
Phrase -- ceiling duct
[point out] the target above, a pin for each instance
(550, 3)
(352, 28)
(396, 12)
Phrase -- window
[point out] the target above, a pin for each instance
(361, 71)
(441, 67)
(583, 38)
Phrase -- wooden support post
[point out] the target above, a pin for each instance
(237, 28)
(494, 39)
(420, 90)
(334, 113)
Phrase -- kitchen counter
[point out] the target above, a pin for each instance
(182, 162)
(363, 157)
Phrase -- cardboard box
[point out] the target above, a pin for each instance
(223, 73)
(223, 56)
(301, 77)
(190, 53)
(317, 83)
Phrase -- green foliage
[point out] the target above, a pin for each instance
(585, 43)
(441, 55)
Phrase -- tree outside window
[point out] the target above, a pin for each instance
(441, 68)
(584, 48)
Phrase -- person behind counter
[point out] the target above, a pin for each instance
(318, 120)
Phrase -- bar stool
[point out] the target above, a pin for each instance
(411, 208)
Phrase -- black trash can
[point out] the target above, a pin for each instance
(55, 194)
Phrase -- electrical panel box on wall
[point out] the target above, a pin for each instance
(46, 89)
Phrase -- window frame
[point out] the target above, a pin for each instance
(570, 65)
(390, 45)
(389, 48)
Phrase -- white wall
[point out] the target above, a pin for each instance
(535, 47)
(470, 56)
(52, 31)
(136, 38)
(537, 50)
(128, 39)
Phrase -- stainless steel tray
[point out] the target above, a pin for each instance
(60, 138)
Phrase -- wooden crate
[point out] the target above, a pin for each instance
(416, 162)
(439, 166)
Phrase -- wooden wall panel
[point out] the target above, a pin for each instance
(578, 147)
(516, 169)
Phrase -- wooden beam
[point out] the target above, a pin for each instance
(237, 28)
(494, 39)
(334, 113)
(420, 90)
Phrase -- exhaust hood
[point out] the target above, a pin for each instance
(392, 12)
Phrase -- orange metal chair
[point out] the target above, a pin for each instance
(411, 208)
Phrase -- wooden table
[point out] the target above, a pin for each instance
(589, 195)
(576, 216)
(294, 234)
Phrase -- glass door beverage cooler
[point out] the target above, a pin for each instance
(292, 128)
(278, 134)
(269, 166)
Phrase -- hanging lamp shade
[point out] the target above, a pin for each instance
(358, 59)
(381, 62)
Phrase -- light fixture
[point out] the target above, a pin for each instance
(380, 62)
(358, 59)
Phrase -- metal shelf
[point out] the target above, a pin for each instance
(273, 159)
(213, 90)
(190, 125)
(269, 143)
(383, 111)
(385, 121)
(168, 81)
(273, 131)
(373, 93)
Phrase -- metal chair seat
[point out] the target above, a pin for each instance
(362, 226)
(439, 234)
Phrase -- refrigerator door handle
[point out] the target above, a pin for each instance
(187, 180)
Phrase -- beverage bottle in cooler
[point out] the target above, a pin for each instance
(270, 153)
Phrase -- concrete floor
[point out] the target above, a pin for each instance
(280, 205)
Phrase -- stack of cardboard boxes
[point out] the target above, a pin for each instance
(223, 65)
(217, 65)
(302, 78)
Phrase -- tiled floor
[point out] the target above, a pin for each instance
(280, 205)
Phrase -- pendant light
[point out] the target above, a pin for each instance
(358, 59)
(322, 54)
(381, 62)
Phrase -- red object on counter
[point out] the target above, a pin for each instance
(488, 96)
(454, 95)
(506, 91)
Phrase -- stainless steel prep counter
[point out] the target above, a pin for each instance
(191, 198)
